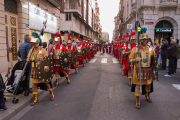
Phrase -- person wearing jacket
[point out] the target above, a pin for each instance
(164, 48)
(172, 52)
(178, 55)
(22, 53)
(2, 88)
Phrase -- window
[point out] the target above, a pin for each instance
(68, 16)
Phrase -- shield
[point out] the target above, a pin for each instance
(74, 56)
(64, 60)
(45, 69)
(83, 52)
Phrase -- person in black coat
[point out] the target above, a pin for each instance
(2, 88)
(164, 48)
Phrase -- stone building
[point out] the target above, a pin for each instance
(160, 17)
(80, 18)
(20, 17)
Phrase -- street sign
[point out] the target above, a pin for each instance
(129, 26)
(27, 26)
(149, 23)
(129, 30)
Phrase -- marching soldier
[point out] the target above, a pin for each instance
(127, 53)
(80, 56)
(36, 55)
(123, 56)
(72, 52)
(88, 49)
(147, 54)
(56, 50)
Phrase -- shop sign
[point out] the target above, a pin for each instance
(37, 16)
(163, 30)
(149, 23)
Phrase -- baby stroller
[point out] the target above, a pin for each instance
(16, 80)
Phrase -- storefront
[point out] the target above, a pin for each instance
(163, 30)
(36, 18)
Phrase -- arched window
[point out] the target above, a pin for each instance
(164, 24)
(10, 6)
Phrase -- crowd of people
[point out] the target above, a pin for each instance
(148, 57)
(168, 51)
(33, 50)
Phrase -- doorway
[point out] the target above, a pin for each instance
(11, 27)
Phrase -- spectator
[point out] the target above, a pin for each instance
(51, 44)
(45, 45)
(2, 88)
(74, 43)
(172, 55)
(22, 53)
(155, 45)
(178, 56)
(64, 43)
(158, 52)
(150, 42)
(164, 48)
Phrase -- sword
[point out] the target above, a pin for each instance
(131, 62)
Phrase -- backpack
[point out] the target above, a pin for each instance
(178, 55)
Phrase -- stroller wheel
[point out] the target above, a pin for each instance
(15, 101)
(26, 93)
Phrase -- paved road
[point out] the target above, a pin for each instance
(100, 92)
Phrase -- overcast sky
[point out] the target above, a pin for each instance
(108, 10)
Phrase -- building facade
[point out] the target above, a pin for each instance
(160, 17)
(80, 18)
(20, 17)
(105, 36)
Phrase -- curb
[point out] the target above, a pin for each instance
(24, 101)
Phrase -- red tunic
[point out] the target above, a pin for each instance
(79, 58)
(55, 68)
(127, 62)
(73, 66)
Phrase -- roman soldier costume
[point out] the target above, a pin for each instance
(72, 52)
(128, 49)
(80, 56)
(41, 64)
(58, 67)
(147, 58)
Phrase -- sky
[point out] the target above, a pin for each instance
(108, 10)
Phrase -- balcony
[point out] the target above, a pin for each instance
(72, 7)
(56, 3)
(168, 3)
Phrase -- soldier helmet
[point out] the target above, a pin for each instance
(133, 36)
(143, 34)
(84, 40)
(57, 37)
(36, 39)
(69, 39)
(127, 37)
(78, 40)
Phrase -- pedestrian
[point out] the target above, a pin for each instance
(51, 44)
(178, 56)
(158, 53)
(45, 45)
(150, 43)
(64, 43)
(155, 45)
(22, 53)
(164, 48)
(172, 53)
(2, 89)
(74, 43)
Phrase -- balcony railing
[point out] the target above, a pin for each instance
(168, 3)
(72, 7)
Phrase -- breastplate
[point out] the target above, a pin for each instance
(79, 49)
(69, 51)
(57, 52)
(35, 57)
(146, 57)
